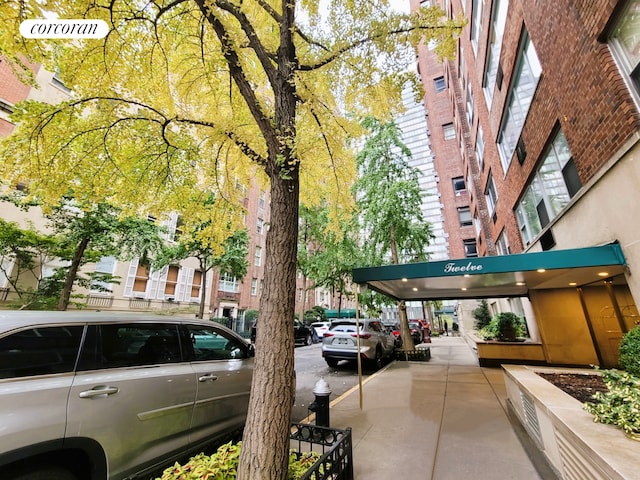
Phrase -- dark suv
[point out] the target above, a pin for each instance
(88, 396)
(302, 333)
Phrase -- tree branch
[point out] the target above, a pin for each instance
(235, 69)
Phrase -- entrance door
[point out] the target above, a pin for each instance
(610, 317)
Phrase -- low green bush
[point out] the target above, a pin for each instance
(630, 352)
(505, 326)
(223, 465)
(620, 406)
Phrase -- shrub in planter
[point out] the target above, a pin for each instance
(620, 406)
(505, 326)
(482, 315)
(630, 352)
(223, 465)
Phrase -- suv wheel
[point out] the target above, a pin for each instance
(43, 473)
(377, 362)
(332, 362)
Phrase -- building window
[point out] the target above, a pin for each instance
(477, 223)
(469, 104)
(555, 182)
(464, 215)
(240, 186)
(458, 186)
(141, 278)
(498, 20)
(625, 43)
(490, 194)
(57, 81)
(196, 283)
(257, 257)
(8, 107)
(449, 131)
(262, 200)
(106, 266)
(254, 287)
(229, 283)
(470, 248)
(260, 226)
(172, 281)
(525, 80)
(476, 23)
(480, 147)
(440, 84)
(502, 244)
(172, 227)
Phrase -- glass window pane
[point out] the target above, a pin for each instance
(628, 33)
(209, 343)
(561, 148)
(40, 351)
(555, 190)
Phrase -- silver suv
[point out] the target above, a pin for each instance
(88, 396)
(341, 342)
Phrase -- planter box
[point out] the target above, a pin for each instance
(572, 442)
(492, 353)
(335, 447)
(417, 355)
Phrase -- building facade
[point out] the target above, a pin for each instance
(538, 114)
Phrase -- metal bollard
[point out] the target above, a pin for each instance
(320, 406)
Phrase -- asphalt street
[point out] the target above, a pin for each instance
(310, 367)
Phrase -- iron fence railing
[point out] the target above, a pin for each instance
(334, 446)
(139, 303)
(99, 301)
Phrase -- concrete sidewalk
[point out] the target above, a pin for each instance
(437, 420)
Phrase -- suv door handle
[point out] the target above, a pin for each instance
(98, 391)
(209, 377)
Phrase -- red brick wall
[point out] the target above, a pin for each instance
(580, 91)
(11, 89)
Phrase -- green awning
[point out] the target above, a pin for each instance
(343, 313)
(494, 276)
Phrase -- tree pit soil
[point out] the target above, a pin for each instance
(580, 386)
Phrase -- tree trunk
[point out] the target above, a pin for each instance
(203, 293)
(70, 278)
(273, 388)
(405, 333)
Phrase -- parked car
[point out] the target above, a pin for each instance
(303, 334)
(340, 342)
(416, 332)
(101, 396)
(321, 328)
(395, 331)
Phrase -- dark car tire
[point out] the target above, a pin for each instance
(332, 362)
(377, 361)
(42, 473)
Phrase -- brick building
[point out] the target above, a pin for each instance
(535, 127)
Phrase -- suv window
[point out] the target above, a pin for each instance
(212, 344)
(40, 351)
(130, 345)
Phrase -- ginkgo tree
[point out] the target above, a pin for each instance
(195, 94)
(389, 195)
